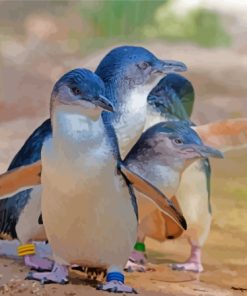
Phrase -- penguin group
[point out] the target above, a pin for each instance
(118, 160)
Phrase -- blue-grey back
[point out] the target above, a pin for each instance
(29, 153)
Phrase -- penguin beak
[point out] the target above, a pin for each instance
(201, 151)
(167, 66)
(103, 103)
(206, 151)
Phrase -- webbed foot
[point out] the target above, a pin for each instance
(115, 283)
(59, 275)
(193, 263)
(116, 287)
(132, 266)
(38, 263)
(187, 266)
(138, 257)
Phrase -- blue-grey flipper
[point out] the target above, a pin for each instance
(10, 209)
(142, 185)
(207, 169)
(14, 181)
(153, 194)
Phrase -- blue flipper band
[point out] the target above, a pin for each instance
(115, 276)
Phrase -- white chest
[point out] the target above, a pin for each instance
(85, 204)
(132, 120)
(167, 179)
(153, 118)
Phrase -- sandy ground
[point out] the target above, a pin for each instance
(224, 260)
(218, 76)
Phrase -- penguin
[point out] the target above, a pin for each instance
(129, 74)
(172, 99)
(82, 170)
(166, 149)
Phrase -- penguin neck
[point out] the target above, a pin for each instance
(152, 160)
(155, 163)
(154, 116)
(164, 175)
(70, 125)
(131, 108)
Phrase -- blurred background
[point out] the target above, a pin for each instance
(40, 40)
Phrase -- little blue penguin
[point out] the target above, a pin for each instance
(161, 155)
(82, 171)
(129, 74)
(173, 99)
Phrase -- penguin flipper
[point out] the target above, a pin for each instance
(165, 205)
(225, 135)
(19, 179)
(172, 230)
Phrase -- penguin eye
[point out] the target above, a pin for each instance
(178, 141)
(143, 65)
(76, 91)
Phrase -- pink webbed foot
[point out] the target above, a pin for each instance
(193, 263)
(59, 275)
(132, 266)
(138, 257)
(137, 262)
(116, 287)
(188, 266)
(38, 263)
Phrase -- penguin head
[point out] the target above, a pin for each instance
(177, 141)
(135, 66)
(173, 95)
(81, 91)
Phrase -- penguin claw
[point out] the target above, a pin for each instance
(29, 276)
(44, 281)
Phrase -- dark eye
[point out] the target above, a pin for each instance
(143, 65)
(76, 91)
(178, 141)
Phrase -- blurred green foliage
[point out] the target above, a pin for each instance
(199, 26)
(118, 18)
(104, 22)
(112, 21)
(137, 20)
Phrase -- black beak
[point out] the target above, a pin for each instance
(103, 103)
(167, 66)
(206, 151)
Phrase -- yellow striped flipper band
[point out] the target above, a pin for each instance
(28, 249)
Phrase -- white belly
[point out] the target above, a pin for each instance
(88, 216)
(131, 124)
(27, 227)
(193, 198)
(153, 118)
